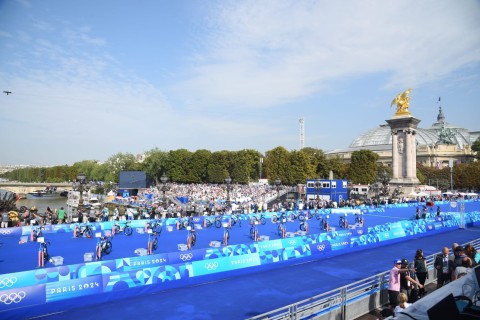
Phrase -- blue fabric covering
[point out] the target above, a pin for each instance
(125, 276)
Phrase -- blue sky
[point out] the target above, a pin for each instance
(94, 78)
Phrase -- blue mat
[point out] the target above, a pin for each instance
(243, 294)
(253, 294)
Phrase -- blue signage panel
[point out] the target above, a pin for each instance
(73, 288)
(20, 297)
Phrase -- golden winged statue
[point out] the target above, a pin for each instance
(402, 101)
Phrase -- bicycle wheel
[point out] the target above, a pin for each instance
(208, 223)
(128, 231)
(108, 247)
(155, 244)
(302, 226)
(291, 217)
(218, 223)
(279, 230)
(301, 216)
(194, 239)
(274, 218)
(263, 220)
(46, 256)
(88, 233)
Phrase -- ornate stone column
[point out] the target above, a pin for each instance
(404, 150)
(394, 154)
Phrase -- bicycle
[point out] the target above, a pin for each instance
(281, 229)
(261, 220)
(254, 230)
(155, 225)
(295, 214)
(342, 222)
(226, 233)
(310, 215)
(83, 230)
(359, 218)
(304, 225)
(191, 238)
(104, 246)
(183, 223)
(278, 216)
(152, 240)
(43, 255)
(208, 222)
(324, 224)
(235, 219)
(36, 233)
(126, 228)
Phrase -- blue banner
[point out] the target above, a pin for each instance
(73, 288)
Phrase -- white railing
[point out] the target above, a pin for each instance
(347, 302)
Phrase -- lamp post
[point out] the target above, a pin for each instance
(228, 181)
(163, 187)
(81, 185)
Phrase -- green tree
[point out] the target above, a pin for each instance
(119, 162)
(301, 167)
(178, 166)
(199, 165)
(219, 166)
(244, 165)
(277, 165)
(155, 163)
(340, 170)
(363, 167)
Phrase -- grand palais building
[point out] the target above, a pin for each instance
(436, 145)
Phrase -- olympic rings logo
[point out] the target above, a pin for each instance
(292, 242)
(211, 266)
(7, 282)
(186, 256)
(196, 219)
(320, 247)
(13, 297)
(5, 232)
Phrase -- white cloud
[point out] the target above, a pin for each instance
(268, 53)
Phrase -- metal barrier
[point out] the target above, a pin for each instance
(361, 297)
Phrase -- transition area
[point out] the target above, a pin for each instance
(123, 274)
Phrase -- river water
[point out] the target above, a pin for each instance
(42, 204)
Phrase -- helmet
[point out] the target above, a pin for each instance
(33, 208)
(404, 261)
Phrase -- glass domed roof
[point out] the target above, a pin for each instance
(439, 132)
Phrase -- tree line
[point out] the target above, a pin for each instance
(245, 166)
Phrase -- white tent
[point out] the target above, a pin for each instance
(422, 194)
(448, 193)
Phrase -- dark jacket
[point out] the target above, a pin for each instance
(438, 264)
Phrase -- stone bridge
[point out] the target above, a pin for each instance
(22, 188)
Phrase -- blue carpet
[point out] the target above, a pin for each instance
(251, 294)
